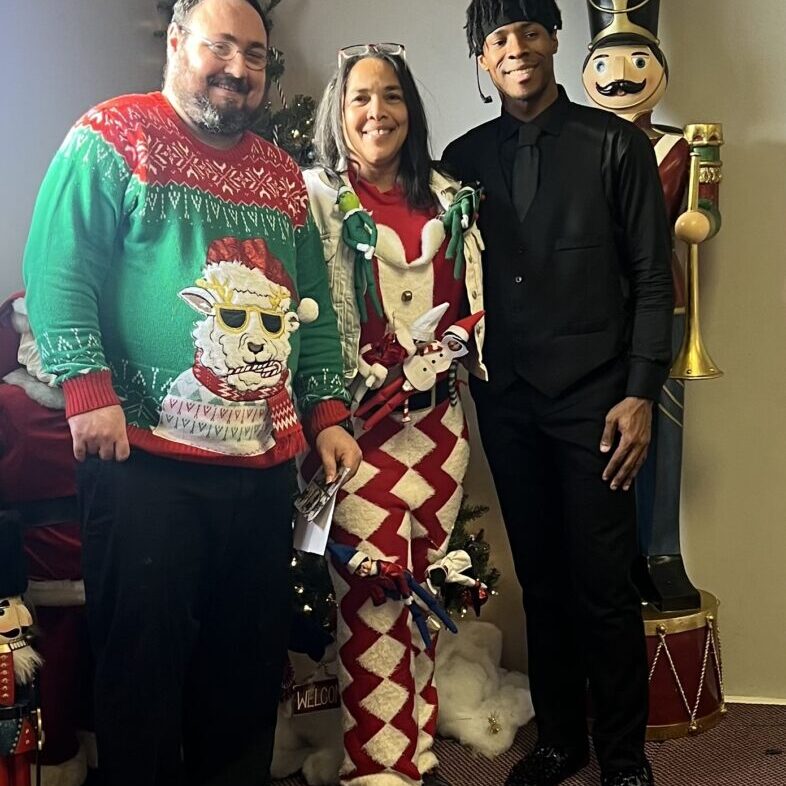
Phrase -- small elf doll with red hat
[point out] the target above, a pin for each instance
(19, 663)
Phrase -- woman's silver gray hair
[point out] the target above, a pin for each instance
(331, 149)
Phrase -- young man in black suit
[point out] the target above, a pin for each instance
(578, 327)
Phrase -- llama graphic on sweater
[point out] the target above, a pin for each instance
(237, 396)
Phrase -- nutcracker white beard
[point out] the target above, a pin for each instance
(26, 663)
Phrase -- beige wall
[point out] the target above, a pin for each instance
(59, 58)
(727, 65)
(730, 66)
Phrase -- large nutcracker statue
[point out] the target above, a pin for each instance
(20, 719)
(626, 72)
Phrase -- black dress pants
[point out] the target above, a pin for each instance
(186, 571)
(574, 543)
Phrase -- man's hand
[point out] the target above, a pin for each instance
(101, 431)
(336, 448)
(632, 418)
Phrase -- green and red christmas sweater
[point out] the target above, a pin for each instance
(186, 283)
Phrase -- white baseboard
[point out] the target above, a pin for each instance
(755, 700)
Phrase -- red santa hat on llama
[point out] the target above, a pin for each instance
(254, 253)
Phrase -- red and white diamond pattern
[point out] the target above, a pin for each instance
(401, 507)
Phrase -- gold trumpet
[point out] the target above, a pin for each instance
(693, 361)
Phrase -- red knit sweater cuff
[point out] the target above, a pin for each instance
(323, 415)
(88, 392)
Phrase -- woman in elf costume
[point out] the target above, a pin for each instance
(403, 257)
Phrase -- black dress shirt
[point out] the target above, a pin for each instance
(549, 124)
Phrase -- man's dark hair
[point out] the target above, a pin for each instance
(332, 153)
(483, 15)
(183, 8)
(623, 39)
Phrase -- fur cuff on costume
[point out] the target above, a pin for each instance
(70, 773)
(427, 762)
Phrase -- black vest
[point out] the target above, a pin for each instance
(556, 286)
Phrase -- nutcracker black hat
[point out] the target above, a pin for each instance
(623, 21)
(13, 569)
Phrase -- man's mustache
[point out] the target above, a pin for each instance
(229, 82)
(621, 86)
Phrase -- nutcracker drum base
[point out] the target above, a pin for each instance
(686, 671)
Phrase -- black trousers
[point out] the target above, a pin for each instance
(574, 544)
(186, 571)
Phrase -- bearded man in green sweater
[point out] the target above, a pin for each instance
(177, 291)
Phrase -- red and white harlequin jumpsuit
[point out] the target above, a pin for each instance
(401, 507)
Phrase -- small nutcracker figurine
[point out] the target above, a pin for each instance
(626, 72)
(20, 732)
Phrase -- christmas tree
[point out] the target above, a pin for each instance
(289, 124)
(456, 598)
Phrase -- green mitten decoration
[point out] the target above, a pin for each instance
(359, 232)
(457, 219)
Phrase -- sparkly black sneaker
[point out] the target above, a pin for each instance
(547, 766)
(639, 776)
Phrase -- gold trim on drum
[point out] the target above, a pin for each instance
(656, 622)
(711, 665)
(674, 730)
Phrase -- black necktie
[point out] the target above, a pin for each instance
(525, 169)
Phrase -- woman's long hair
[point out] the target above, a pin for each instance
(332, 153)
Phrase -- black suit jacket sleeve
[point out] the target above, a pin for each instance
(646, 251)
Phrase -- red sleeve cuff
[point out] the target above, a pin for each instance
(323, 415)
(88, 392)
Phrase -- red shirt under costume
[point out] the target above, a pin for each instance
(390, 208)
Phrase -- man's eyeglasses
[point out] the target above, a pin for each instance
(256, 58)
(361, 50)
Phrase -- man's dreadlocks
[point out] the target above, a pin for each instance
(485, 16)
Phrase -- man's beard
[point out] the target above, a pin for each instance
(203, 113)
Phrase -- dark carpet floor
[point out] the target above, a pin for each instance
(747, 749)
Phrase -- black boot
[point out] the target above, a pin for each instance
(547, 766)
(638, 776)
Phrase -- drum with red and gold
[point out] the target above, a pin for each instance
(686, 671)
